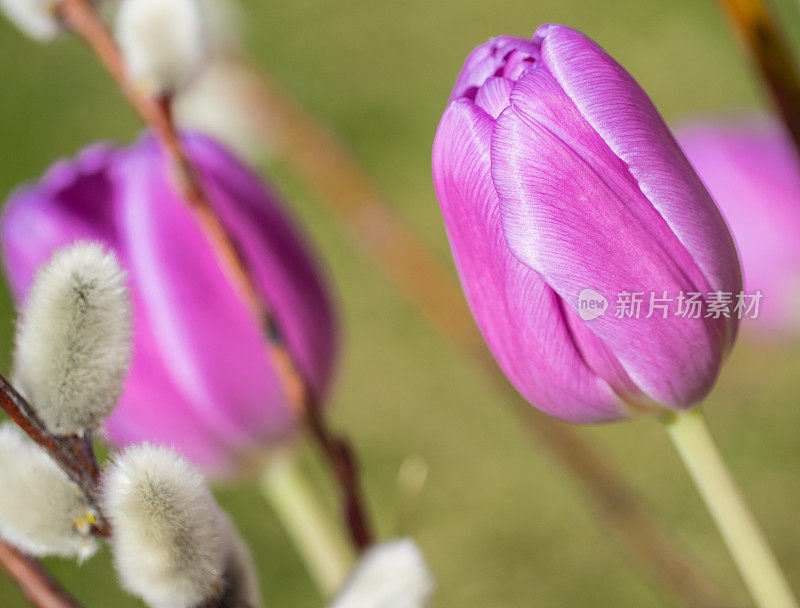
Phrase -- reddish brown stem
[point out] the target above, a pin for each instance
(763, 39)
(73, 454)
(339, 453)
(84, 20)
(37, 585)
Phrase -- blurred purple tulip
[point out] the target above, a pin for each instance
(753, 173)
(556, 175)
(201, 379)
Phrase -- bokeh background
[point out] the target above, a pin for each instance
(500, 521)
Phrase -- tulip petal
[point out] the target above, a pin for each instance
(494, 96)
(489, 60)
(753, 173)
(282, 264)
(154, 410)
(210, 344)
(571, 212)
(75, 200)
(519, 315)
(616, 107)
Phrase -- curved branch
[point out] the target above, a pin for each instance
(84, 20)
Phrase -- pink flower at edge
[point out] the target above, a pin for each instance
(200, 380)
(752, 170)
(556, 174)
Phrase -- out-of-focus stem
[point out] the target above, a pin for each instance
(37, 585)
(318, 540)
(84, 20)
(315, 155)
(745, 541)
(763, 39)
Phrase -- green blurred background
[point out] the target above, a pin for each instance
(500, 521)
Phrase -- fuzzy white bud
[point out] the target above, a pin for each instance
(224, 22)
(225, 102)
(390, 575)
(36, 18)
(42, 512)
(163, 43)
(240, 578)
(166, 542)
(74, 339)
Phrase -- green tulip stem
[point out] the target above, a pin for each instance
(317, 537)
(756, 562)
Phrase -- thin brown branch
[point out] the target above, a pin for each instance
(37, 585)
(72, 453)
(336, 180)
(84, 20)
(769, 50)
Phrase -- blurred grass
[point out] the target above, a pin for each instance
(500, 522)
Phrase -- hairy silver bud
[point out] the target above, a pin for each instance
(390, 575)
(166, 543)
(35, 18)
(163, 43)
(42, 512)
(74, 339)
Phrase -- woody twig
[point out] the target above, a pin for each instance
(765, 42)
(82, 18)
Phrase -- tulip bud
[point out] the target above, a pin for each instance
(36, 18)
(753, 173)
(74, 339)
(167, 546)
(563, 193)
(391, 575)
(201, 379)
(163, 43)
(42, 512)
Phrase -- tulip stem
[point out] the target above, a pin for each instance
(742, 535)
(318, 539)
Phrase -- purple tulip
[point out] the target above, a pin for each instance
(753, 172)
(201, 379)
(557, 178)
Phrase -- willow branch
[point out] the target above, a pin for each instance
(769, 50)
(337, 182)
(84, 20)
(72, 453)
(37, 585)
(76, 457)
